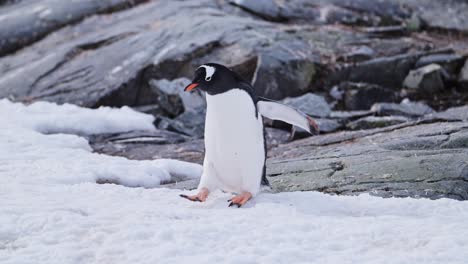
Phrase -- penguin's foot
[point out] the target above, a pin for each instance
(200, 197)
(240, 199)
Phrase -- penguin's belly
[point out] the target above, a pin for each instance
(234, 142)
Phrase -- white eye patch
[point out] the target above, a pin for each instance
(209, 72)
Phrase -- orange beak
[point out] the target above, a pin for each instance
(190, 87)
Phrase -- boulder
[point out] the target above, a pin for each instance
(405, 108)
(370, 122)
(411, 159)
(283, 70)
(426, 80)
(310, 104)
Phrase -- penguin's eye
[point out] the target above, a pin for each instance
(208, 78)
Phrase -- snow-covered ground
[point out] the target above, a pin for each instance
(52, 211)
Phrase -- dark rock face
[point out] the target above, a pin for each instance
(427, 160)
(282, 70)
(361, 96)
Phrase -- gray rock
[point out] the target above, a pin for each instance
(405, 108)
(190, 123)
(441, 15)
(463, 78)
(349, 115)
(283, 71)
(450, 62)
(361, 96)
(452, 114)
(268, 9)
(275, 137)
(144, 145)
(310, 104)
(370, 122)
(26, 22)
(172, 98)
(425, 80)
(109, 60)
(325, 11)
(412, 160)
(358, 54)
(387, 71)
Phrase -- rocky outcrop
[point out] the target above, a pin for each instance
(113, 59)
(412, 159)
(24, 23)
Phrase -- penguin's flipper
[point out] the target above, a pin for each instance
(278, 111)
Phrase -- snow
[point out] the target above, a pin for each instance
(52, 211)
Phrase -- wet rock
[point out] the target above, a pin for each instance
(370, 122)
(407, 161)
(361, 96)
(425, 80)
(148, 145)
(110, 60)
(405, 108)
(24, 23)
(310, 104)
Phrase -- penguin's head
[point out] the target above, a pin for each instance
(212, 78)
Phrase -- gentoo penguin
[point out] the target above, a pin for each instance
(235, 150)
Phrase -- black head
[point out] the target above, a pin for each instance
(214, 79)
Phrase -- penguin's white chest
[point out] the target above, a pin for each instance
(234, 143)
